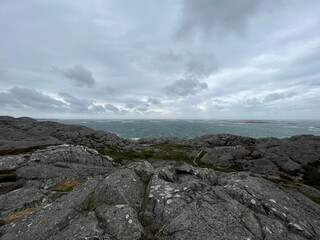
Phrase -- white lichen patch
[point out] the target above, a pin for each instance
(168, 195)
(120, 206)
(150, 196)
(272, 200)
(298, 227)
(169, 201)
(268, 230)
(273, 209)
(185, 188)
(253, 201)
(177, 195)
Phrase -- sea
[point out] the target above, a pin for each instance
(136, 129)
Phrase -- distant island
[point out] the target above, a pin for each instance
(62, 181)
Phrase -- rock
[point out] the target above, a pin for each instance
(163, 199)
(225, 156)
(20, 199)
(120, 221)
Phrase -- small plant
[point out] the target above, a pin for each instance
(66, 185)
(17, 215)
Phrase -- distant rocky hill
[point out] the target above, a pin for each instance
(71, 182)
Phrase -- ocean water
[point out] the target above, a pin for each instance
(136, 129)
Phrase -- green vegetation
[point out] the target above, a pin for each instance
(166, 152)
(311, 197)
(311, 176)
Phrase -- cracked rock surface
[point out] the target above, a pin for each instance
(66, 190)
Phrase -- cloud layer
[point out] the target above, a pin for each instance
(78, 75)
(168, 59)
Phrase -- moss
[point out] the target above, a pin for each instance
(166, 152)
(66, 185)
(311, 175)
(277, 180)
(311, 197)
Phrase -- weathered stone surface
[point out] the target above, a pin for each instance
(162, 199)
(120, 221)
(225, 156)
(20, 199)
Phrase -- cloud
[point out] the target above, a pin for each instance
(201, 64)
(209, 17)
(185, 87)
(111, 108)
(25, 98)
(78, 75)
(277, 96)
(154, 101)
(32, 98)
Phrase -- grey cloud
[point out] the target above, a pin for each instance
(74, 103)
(111, 108)
(141, 109)
(78, 75)
(25, 98)
(171, 56)
(154, 101)
(29, 98)
(185, 87)
(277, 96)
(130, 105)
(201, 64)
(209, 17)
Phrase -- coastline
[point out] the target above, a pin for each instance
(55, 169)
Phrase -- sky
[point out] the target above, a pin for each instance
(182, 59)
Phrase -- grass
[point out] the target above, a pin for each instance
(311, 175)
(311, 197)
(166, 152)
(17, 215)
(66, 185)
(287, 183)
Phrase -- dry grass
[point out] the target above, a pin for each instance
(66, 185)
(17, 215)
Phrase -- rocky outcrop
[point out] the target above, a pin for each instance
(178, 201)
(24, 134)
(62, 188)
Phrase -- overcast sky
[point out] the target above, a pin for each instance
(241, 59)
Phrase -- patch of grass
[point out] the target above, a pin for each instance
(311, 197)
(166, 152)
(277, 180)
(8, 175)
(66, 185)
(311, 176)
(17, 215)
